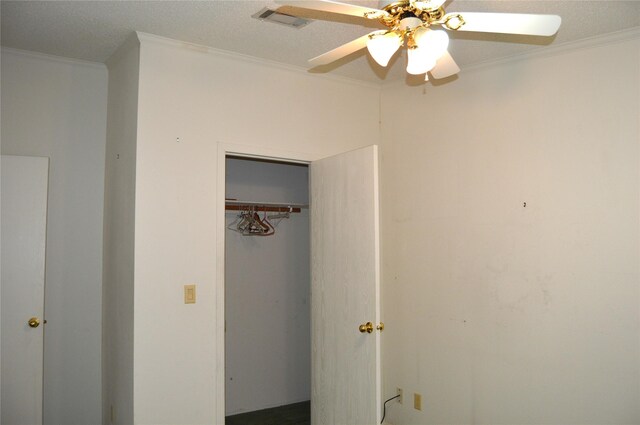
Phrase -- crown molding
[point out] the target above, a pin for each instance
(131, 42)
(547, 51)
(150, 38)
(54, 58)
(569, 46)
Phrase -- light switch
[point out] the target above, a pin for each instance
(189, 294)
(417, 401)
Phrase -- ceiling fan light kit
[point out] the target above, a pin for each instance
(427, 47)
(418, 62)
(412, 20)
(382, 46)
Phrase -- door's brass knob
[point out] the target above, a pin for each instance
(34, 322)
(380, 327)
(366, 327)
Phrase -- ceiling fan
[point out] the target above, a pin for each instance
(412, 21)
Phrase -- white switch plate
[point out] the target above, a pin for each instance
(189, 294)
(417, 401)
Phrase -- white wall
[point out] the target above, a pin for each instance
(499, 313)
(56, 108)
(119, 235)
(204, 98)
(495, 312)
(267, 283)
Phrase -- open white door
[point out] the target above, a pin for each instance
(345, 286)
(24, 219)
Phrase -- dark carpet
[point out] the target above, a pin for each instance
(291, 414)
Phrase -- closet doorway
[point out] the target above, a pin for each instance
(267, 292)
(345, 327)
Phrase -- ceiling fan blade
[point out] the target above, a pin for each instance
(505, 23)
(342, 51)
(335, 7)
(445, 67)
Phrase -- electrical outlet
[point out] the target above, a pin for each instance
(417, 401)
(399, 392)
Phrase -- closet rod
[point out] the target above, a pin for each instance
(262, 208)
(235, 205)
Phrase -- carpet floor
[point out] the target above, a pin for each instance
(291, 414)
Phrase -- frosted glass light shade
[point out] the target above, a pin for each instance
(435, 41)
(430, 46)
(420, 61)
(383, 46)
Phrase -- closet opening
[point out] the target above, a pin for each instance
(267, 292)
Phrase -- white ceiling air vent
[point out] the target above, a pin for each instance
(271, 15)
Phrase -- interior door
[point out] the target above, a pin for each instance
(22, 251)
(345, 286)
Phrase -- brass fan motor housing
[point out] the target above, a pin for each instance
(401, 9)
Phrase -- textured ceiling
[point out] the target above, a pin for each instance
(92, 30)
